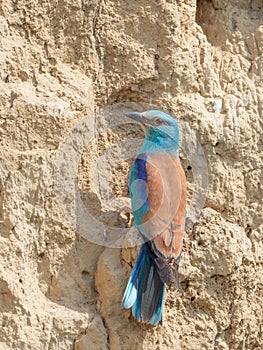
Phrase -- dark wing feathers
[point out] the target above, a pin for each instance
(161, 263)
(152, 290)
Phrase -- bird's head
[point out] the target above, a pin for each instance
(158, 126)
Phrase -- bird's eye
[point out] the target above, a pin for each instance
(158, 121)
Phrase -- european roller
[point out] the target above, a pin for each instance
(157, 187)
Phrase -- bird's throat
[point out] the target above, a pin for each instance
(159, 145)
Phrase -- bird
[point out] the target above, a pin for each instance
(157, 188)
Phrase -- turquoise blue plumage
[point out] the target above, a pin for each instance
(157, 188)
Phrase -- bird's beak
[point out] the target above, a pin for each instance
(136, 116)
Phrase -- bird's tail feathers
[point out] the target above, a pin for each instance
(145, 291)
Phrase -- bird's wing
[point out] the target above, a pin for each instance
(157, 187)
(167, 201)
(160, 194)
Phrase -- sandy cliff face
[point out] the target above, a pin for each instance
(203, 61)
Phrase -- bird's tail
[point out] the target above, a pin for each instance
(145, 290)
